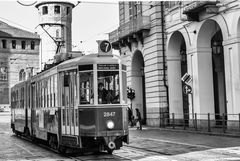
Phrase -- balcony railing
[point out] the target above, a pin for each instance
(130, 27)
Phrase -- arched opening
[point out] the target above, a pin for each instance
(22, 75)
(177, 67)
(211, 70)
(183, 59)
(218, 75)
(138, 84)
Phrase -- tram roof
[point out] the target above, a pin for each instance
(21, 84)
(89, 59)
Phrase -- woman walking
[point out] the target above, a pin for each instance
(139, 119)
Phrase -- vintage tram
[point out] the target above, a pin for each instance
(62, 105)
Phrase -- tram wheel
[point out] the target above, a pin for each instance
(62, 149)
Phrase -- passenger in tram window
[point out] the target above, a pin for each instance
(102, 93)
(104, 96)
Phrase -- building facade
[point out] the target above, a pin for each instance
(19, 58)
(141, 42)
(203, 41)
(55, 29)
(182, 59)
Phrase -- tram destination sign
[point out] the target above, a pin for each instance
(107, 66)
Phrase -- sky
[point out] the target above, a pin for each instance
(91, 20)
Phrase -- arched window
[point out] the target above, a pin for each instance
(23, 44)
(14, 44)
(22, 75)
(32, 45)
(4, 44)
(68, 10)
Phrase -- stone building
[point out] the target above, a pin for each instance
(194, 73)
(140, 41)
(203, 41)
(19, 58)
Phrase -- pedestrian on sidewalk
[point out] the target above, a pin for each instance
(139, 119)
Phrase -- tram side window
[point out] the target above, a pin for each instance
(124, 85)
(13, 99)
(86, 87)
(22, 98)
(108, 87)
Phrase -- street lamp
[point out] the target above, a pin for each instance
(217, 47)
(183, 55)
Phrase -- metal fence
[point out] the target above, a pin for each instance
(212, 123)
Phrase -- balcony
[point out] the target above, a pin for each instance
(130, 31)
(193, 9)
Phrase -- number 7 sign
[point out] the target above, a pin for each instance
(105, 46)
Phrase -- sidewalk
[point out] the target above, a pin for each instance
(182, 145)
(184, 136)
(215, 132)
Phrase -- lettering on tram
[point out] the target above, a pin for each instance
(109, 114)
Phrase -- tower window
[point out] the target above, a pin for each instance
(4, 44)
(45, 10)
(57, 9)
(3, 73)
(68, 10)
(32, 45)
(14, 44)
(23, 45)
(57, 33)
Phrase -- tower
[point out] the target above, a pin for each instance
(55, 21)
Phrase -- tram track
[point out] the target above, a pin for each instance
(127, 152)
(104, 156)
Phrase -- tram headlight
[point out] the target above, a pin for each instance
(110, 124)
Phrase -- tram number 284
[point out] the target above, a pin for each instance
(108, 114)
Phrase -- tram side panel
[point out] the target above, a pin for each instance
(45, 115)
(18, 111)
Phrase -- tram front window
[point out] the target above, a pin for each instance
(108, 87)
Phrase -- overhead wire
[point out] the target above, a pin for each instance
(143, 4)
(89, 2)
(23, 4)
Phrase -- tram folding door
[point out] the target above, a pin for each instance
(69, 112)
(33, 108)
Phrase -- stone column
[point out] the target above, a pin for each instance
(232, 76)
(203, 95)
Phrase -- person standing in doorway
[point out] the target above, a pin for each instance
(139, 119)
